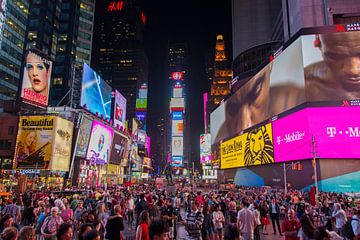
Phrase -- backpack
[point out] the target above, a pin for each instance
(39, 225)
(348, 230)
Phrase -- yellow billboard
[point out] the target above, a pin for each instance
(62, 145)
(34, 141)
(252, 148)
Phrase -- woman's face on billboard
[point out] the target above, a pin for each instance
(30, 138)
(37, 72)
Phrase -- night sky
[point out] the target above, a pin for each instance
(196, 22)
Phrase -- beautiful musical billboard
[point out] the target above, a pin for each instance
(252, 148)
(100, 143)
(83, 137)
(95, 93)
(36, 79)
(205, 148)
(34, 142)
(119, 109)
(62, 145)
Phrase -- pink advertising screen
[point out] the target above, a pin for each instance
(335, 130)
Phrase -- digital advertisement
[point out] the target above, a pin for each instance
(100, 143)
(177, 161)
(95, 93)
(177, 147)
(177, 128)
(36, 80)
(141, 103)
(62, 145)
(119, 149)
(205, 148)
(177, 103)
(34, 142)
(84, 137)
(120, 109)
(177, 115)
(252, 148)
(177, 92)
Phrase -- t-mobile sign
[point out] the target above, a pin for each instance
(335, 130)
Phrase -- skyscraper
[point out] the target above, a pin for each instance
(118, 54)
(12, 47)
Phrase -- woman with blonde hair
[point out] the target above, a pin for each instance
(142, 231)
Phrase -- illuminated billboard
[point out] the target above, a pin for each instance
(147, 162)
(119, 149)
(177, 128)
(61, 153)
(141, 103)
(95, 93)
(36, 80)
(177, 161)
(205, 148)
(143, 91)
(34, 142)
(177, 115)
(177, 146)
(3, 13)
(177, 75)
(119, 109)
(177, 92)
(252, 148)
(83, 137)
(177, 103)
(140, 116)
(100, 143)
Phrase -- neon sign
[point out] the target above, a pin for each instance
(143, 18)
(177, 75)
(115, 6)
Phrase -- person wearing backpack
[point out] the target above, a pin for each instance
(351, 229)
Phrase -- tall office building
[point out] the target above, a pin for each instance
(177, 71)
(12, 46)
(62, 30)
(159, 152)
(118, 54)
(220, 86)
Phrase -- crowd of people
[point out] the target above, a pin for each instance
(156, 214)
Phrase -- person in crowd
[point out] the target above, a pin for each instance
(291, 226)
(208, 228)
(140, 206)
(194, 221)
(158, 230)
(67, 214)
(274, 211)
(83, 230)
(355, 224)
(92, 235)
(12, 209)
(51, 224)
(27, 233)
(115, 224)
(231, 232)
(219, 221)
(340, 218)
(9, 233)
(321, 233)
(28, 216)
(7, 221)
(64, 232)
(307, 229)
(168, 214)
(142, 231)
(246, 221)
(257, 220)
(264, 216)
(130, 207)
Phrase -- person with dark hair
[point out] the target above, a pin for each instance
(7, 221)
(84, 229)
(143, 228)
(115, 224)
(28, 216)
(307, 224)
(140, 206)
(12, 209)
(219, 221)
(194, 221)
(64, 232)
(246, 221)
(92, 235)
(291, 226)
(231, 232)
(168, 213)
(158, 230)
(9, 233)
(321, 233)
(274, 211)
(208, 227)
(27, 233)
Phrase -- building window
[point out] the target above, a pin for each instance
(5, 145)
(11, 130)
(58, 81)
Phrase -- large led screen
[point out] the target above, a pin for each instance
(252, 148)
(100, 143)
(177, 161)
(177, 146)
(36, 80)
(62, 145)
(177, 115)
(83, 137)
(277, 87)
(205, 148)
(119, 149)
(119, 109)
(140, 116)
(141, 103)
(177, 103)
(177, 92)
(34, 142)
(143, 91)
(95, 93)
(334, 130)
(177, 128)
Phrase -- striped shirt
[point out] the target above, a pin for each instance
(194, 224)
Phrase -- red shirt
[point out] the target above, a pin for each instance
(145, 232)
(290, 226)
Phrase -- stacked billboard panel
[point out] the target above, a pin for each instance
(119, 110)
(177, 110)
(249, 128)
(141, 105)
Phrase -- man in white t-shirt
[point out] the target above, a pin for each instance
(355, 223)
(246, 221)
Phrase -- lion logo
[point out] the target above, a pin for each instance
(259, 148)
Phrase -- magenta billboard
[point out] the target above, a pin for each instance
(335, 130)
